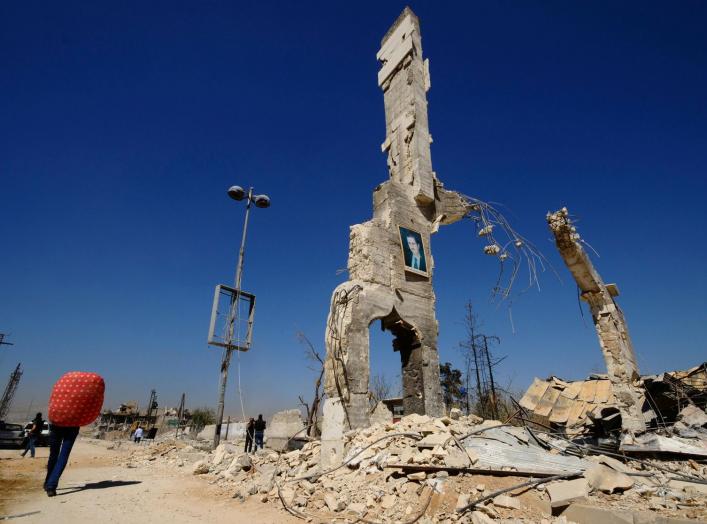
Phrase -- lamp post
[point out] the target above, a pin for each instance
(263, 201)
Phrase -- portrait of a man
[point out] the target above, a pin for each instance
(413, 251)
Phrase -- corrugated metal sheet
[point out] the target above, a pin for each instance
(499, 448)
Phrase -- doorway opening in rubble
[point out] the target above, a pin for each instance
(407, 396)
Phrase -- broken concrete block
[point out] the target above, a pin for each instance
(357, 508)
(388, 501)
(566, 491)
(462, 501)
(244, 461)
(693, 416)
(221, 451)
(457, 459)
(613, 463)
(480, 518)
(586, 514)
(418, 475)
(283, 426)
(607, 480)
(434, 439)
(455, 413)
(333, 503)
(504, 501)
(200, 468)
(381, 414)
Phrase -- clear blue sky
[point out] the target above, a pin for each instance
(122, 124)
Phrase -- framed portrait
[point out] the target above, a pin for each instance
(413, 250)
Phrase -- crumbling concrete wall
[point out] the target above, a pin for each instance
(608, 319)
(381, 287)
(283, 426)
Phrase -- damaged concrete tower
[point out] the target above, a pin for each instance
(390, 262)
(608, 319)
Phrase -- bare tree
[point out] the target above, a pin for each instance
(316, 365)
(379, 389)
(479, 360)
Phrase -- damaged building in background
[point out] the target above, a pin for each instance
(620, 406)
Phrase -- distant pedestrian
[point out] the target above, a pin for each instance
(259, 427)
(249, 430)
(34, 434)
(137, 436)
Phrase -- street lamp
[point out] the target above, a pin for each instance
(261, 201)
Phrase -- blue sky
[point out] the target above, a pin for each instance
(122, 125)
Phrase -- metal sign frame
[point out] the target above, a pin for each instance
(234, 295)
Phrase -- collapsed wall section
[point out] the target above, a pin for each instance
(608, 318)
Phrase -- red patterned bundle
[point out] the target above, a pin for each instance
(76, 399)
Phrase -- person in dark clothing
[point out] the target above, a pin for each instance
(259, 427)
(61, 440)
(249, 430)
(34, 433)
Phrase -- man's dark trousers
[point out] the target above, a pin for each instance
(61, 440)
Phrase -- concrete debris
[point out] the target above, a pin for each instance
(200, 468)
(388, 478)
(693, 416)
(504, 501)
(606, 479)
(478, 517)
(282, 426)
(654, 443)
(566, 491)
(585, 514)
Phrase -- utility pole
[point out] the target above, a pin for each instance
(10, 389)
(262, 201)
(180, 414)
(2, 341)
(151, 405)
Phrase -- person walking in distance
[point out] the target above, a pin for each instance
(259, 427)
(137, 436)
(249, 430)
(34, 433)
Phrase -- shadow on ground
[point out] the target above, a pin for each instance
(103, 484)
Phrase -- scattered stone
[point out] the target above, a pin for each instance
(607, 480)
(504, 501)
(388, 501)
(692, 416)
(200, 468)
(462, 501)
(418, 475)
(479, 518)
(566, 491)
(455, 413)
(333, 503)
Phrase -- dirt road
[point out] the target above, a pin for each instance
(97, 487)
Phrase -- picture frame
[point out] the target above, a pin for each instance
(413, 251)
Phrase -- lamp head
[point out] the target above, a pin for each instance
(236, 192)
(261, 201)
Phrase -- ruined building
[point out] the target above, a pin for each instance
(608, 319)
(390, 261)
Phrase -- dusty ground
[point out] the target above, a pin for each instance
(95, 488)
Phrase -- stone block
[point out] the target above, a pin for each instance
(283, 426)
(586, 514)
(563, 492)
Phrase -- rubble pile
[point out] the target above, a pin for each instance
(427, 470)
